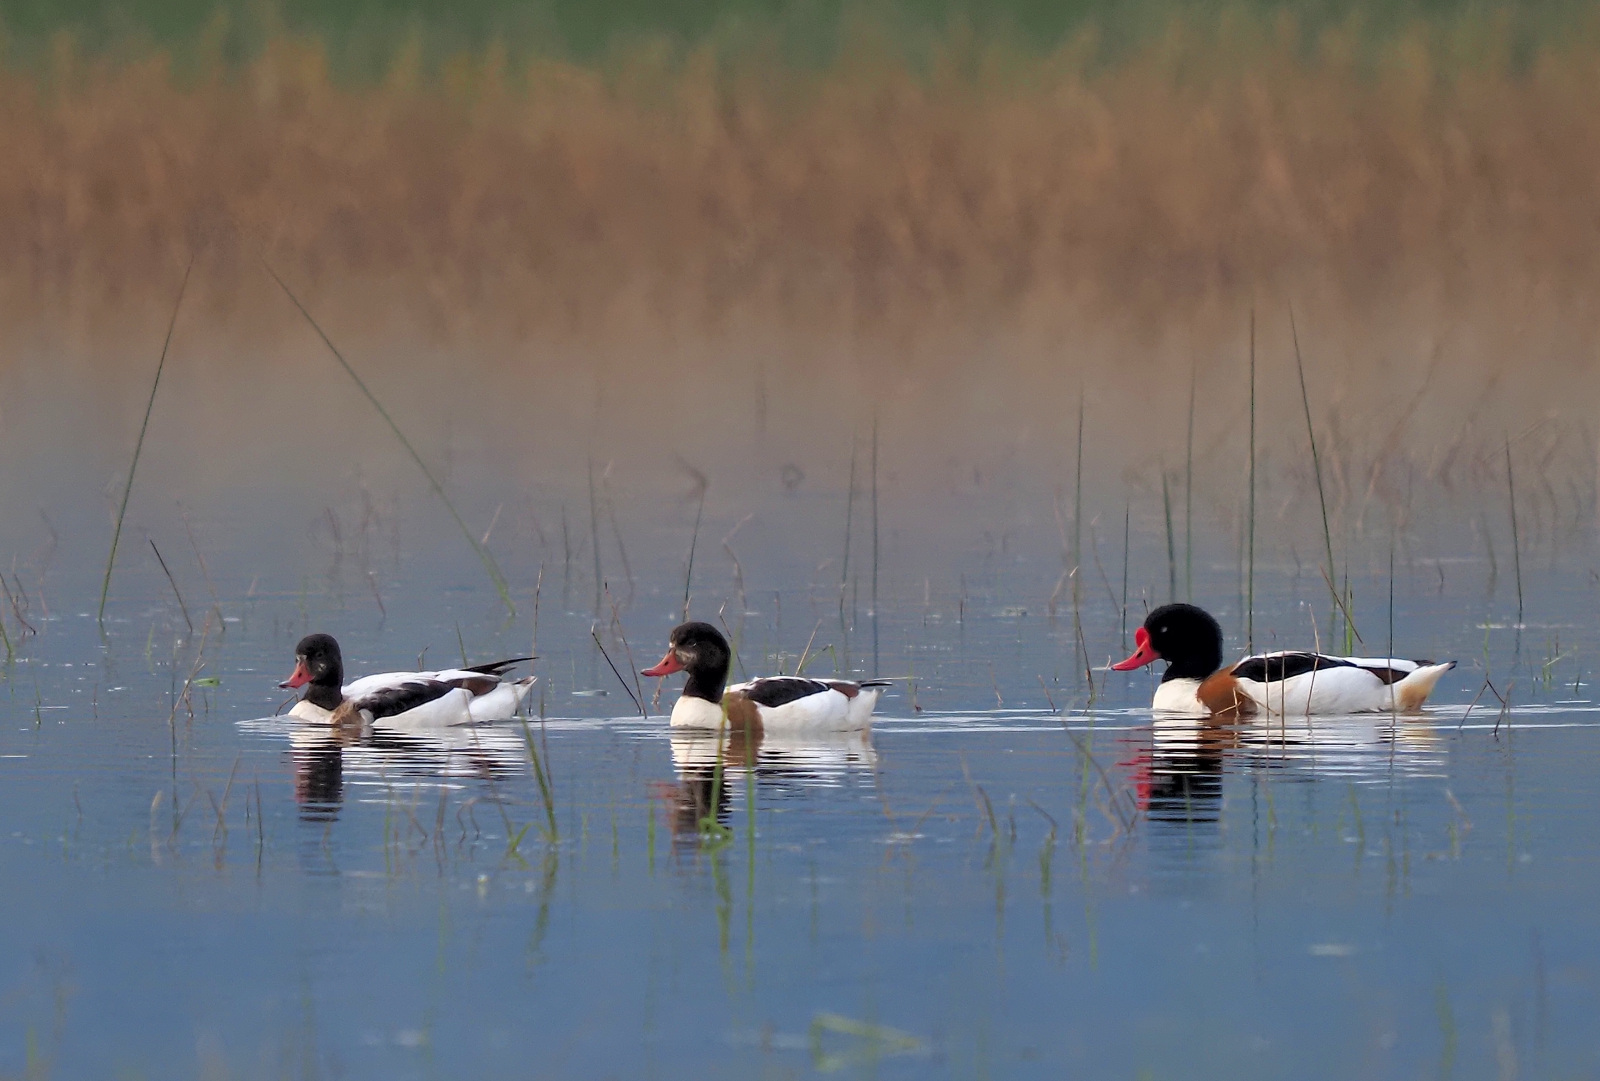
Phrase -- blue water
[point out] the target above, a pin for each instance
(1017, 874)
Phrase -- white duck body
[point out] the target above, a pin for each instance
(452, 696)
(773, 703)
(1326, 685)
(457, 706)
(817, 706)
(497, 703)
(1286, 683)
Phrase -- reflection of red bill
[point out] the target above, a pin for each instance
(300, 677)
(1141, 774)
(669, 664)
(1140, 657)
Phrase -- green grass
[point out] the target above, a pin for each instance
(363, 38)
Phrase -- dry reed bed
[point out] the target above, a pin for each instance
(694, 192)
(869, 226)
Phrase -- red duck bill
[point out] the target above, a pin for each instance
(299, 678)
(1140, 657)
(669, 664)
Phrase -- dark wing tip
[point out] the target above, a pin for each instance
(495, 668)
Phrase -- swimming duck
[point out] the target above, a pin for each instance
(779, 703)
(1288, 683)
(471, 695)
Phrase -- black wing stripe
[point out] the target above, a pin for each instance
(395, 700)
(773, 691)
(1286, 666)
(495, 668)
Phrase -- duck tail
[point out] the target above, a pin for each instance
(497, 668)
(1413, 691)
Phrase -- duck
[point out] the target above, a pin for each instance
(1285, 683)
(477, 694)
(771, 703)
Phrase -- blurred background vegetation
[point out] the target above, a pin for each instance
(362, 38)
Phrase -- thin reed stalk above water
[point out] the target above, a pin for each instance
(1340, 602)
(484, 557)
(138, 448)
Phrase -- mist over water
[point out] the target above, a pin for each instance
(1017, 872)
(934, 366)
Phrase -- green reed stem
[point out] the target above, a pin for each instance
(484, 557)
(545, 795)
(138, 446)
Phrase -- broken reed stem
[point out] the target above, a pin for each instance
(1316, 468)
(484, 557)
(138, 447)
(1516, 541)
(594, 632)
(1250, 528)
(622, 636)
(184, 608)
(1188, 493)
(188, 683)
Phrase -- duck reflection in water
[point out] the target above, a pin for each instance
(1179, 777)
(783, 765)
(323, 754)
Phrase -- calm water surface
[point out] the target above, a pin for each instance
(1017, 874)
